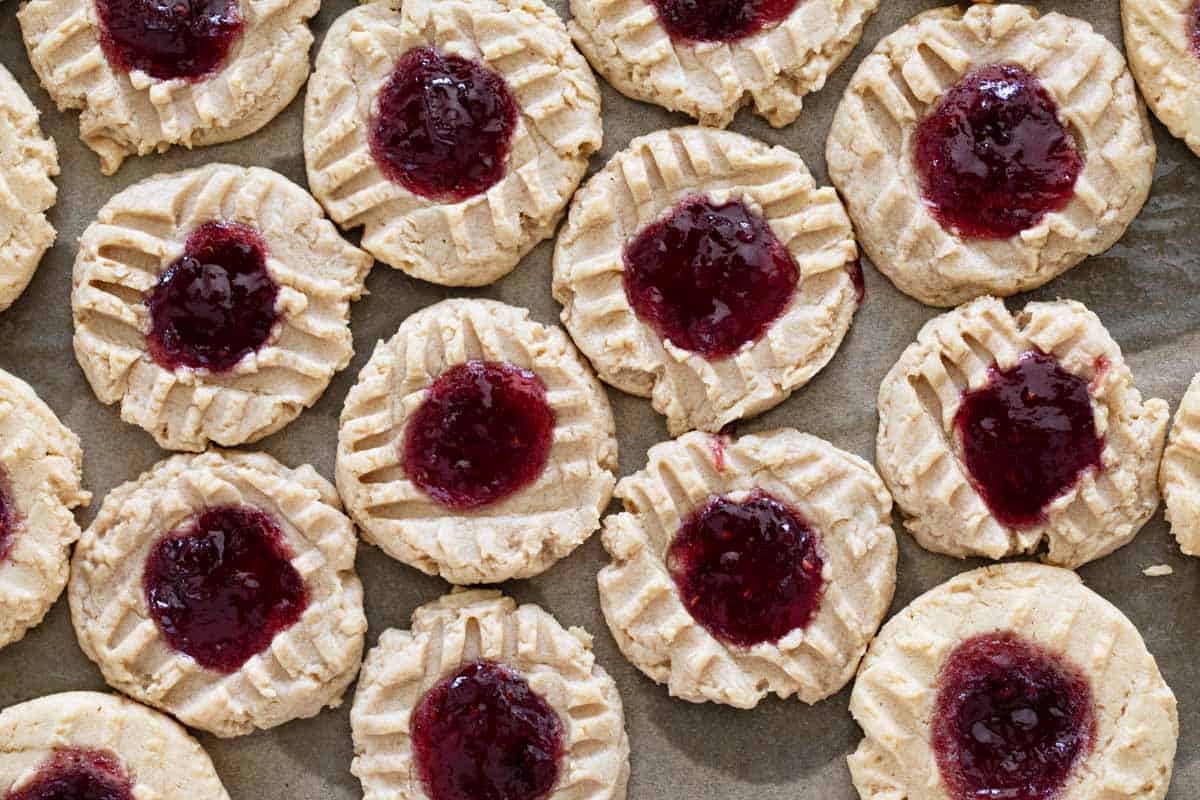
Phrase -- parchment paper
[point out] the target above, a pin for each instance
(1144, 289)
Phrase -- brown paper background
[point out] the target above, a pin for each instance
(1144, 289)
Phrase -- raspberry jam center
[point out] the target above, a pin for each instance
(77, 774)
(1194, 28)
(709, 278)
(749, 571)
(221, 586)
(216, 304)
(8, 517)
(483, 734)
(993, 156)
(1027, 437)
(483, 432)
(719, 20)
(443, 126)
(169, 39)
(1012, 720)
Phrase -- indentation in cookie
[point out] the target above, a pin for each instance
(77, 774)
(169, 39)
(8, 516)
(483, 733)
(720, 20)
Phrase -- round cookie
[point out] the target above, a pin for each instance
(146, 76)
(100, 745)
(759, 300)
(1179, 474)
(1162, 38)
(1000, 432)
(461, 211)
(745, 567)
(221, 588)
(709, 59)
(554, 721)
(213, 304)
(986, 150)
(40, 475)
(476, 445)
(27, 161)
(1012, 664)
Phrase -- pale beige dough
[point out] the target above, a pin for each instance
(1179, 474)
(27, 162)
(519, 536)
(478, 240)
(132, 114)
(918, 449)
(641, 184)
(140, 232)
(164, 762)
(306, 668)
(870, 149)
(1167, 69)
(839, 494)
(467, 626)
(773, 69)
(41, 469)
(895, 694)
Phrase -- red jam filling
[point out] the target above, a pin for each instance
(482, 433)
(169, 39)
(216, 304)
(443, 126)
(1194, 27)
(484, 734)
(749, 571)
(720, 20)
(77, 774)
(221, 586)
(858, 279)
(993, 156)
(1012, 720)
(709, 278)
(8, 517)
(1027, 437)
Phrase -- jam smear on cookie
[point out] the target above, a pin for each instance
(482, 433)
(709, 278)
(169, 39)
(1012, 720)
(222, 585)
(215, 304)
(720, 20)
(1027, 436)
(749, 571)
(483, 733)
(993, 156)
(9, 518)
(443, 126)
(1193, 25)
(77, 774)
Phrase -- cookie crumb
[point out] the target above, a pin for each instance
(1158, 571)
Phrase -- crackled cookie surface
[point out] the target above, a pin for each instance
(100, 747)
(1179, 474)
(221, 588)
(708, 272)
(213, 304)
(1162, 38)
(1001, 433)
(709, 59)
(485, 699)
(741, 568)
(476, 444)
(40, 474)
(987, 150)
(1012, 681)
(27, 162)
(452, 131)
(146, 76)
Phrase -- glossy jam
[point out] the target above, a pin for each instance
(482, 433)
(1027, 437)
(709, 278)
(169, 39)
(993, 156)
(858, 279)
(221, 586)
(77, 774)
(1012, 720)
(216, 304)
(1194, 27)
(8, 517)
(484, 734)
(719, 20)
(750, 571)
(443, 126)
